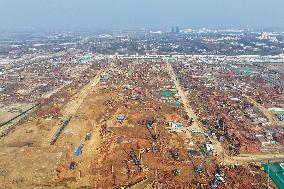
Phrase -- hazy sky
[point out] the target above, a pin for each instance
(130, 14)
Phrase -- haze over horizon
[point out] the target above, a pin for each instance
(134, 14)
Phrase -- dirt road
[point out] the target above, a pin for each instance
(271, 118)
(257, 158)
(71, 108)
(185, 101)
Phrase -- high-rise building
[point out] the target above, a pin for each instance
(175, 30)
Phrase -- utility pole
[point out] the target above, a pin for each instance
(113, 175)
(223, 154)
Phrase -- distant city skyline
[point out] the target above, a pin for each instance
(134, 14)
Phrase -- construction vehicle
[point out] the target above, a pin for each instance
(150, 125)
(200, 168)
(154, 137)
(176, 172)
(188, 118)
(88, 136)
(219, 124)
(175, 154)
(218, 177)
(72, 165)
(137, 161)
(133, 156)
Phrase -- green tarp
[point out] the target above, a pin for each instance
(166, 94)
(276, 173)
(176, 104)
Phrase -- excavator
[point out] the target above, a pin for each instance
(218, 177)
(133, 156)
(200, 167)
(154, 138)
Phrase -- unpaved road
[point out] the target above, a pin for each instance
(73, 105)
(185, 101)
(257, 158)
(271, 118)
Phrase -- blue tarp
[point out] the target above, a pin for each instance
(79, 150)
(179, 125)
(121, 118)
